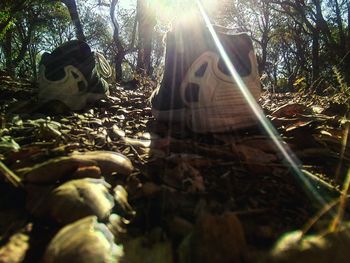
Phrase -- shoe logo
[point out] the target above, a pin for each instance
(103, 66)
(206, 84)
(66, 89)
(200, 72)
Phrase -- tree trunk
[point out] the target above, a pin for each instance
(73, 12)
(32, 58)
(322, 25)
(315, 57)
(118, 67)
(146, 23)
(12, 59)
(265, 38)
(301, 52)
(348, 36)
(339, 20)
(7, 47)
(262, 64)
(120, 52)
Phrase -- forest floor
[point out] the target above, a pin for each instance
(194, 195)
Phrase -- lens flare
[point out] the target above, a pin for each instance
(179, 10)
(290, 159)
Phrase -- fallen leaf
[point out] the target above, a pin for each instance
(15, 249)
(254, 155)
(290, 111)
(140, 250)
(331, 247)
(184, 176)
(85, 240)
(72, 201)
(215, 239)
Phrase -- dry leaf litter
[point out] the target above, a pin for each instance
(134, 190)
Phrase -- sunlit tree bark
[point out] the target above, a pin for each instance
(146, 23)
(121, 50)
(73, 11)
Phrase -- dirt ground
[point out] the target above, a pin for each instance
(197, 197)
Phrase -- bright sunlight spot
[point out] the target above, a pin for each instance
(184, 11)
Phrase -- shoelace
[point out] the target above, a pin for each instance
(103, 66)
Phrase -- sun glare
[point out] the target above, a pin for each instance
(186, 11)
(290, 158)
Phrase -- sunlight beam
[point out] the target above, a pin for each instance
(290, 158)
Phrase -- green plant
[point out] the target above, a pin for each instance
(340, 80)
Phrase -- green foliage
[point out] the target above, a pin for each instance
(282, 83)
(32, 25)
(300, 84)
(343, 87)
(297, 42)
(295, 38)
(5, 19)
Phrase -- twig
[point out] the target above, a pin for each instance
(10, 176)
(342, 151)
(321, 182)
(315, 218)
(342, 204)
(137, 154)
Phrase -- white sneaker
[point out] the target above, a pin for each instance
(73, 75)
(197, 88)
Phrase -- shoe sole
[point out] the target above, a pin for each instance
(205, 120)
(68, 92)
(220, 119)
(219, 105)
